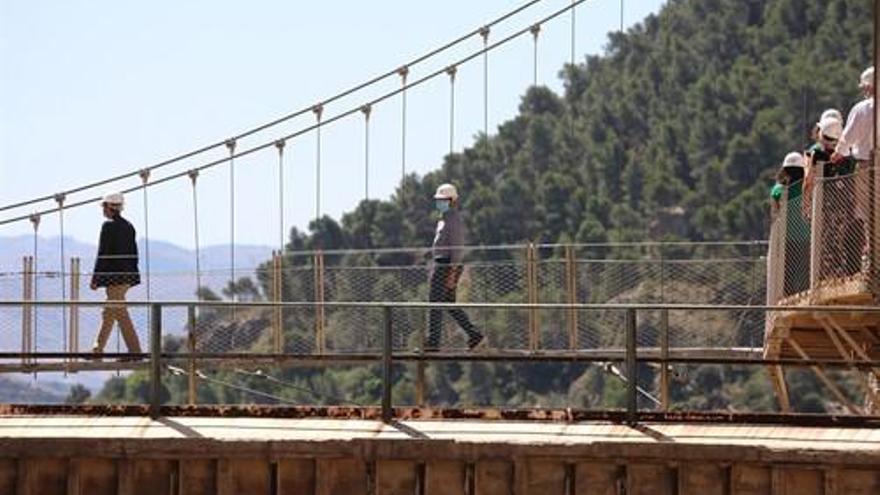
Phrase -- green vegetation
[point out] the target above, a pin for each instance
(674, 133)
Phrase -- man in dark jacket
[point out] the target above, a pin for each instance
(116, 269)
(448, 253)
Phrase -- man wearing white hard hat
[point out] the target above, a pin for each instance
(116, 270)
(821, 153)
(448, 252)
(831, 113)
(857, 139)
(843, 230)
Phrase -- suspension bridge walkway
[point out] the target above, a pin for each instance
(806, 298)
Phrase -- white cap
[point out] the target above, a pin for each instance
(446, 191)
(831, 113)
(793, 160)
(831, 128)
(867, 78)
(114, 199)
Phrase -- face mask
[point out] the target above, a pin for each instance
(442, 205)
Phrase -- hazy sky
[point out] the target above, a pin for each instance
(99, 88)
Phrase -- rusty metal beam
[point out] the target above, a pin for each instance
(483, 414)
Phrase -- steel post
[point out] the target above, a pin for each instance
(631, 368)
(664, 356)
(191, 348)
(155, 359)
(387, 336)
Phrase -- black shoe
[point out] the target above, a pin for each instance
(477, 342)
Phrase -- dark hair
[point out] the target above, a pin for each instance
(789, 175)
(781, 176)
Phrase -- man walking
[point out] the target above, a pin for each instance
(448, 252)
(116, 269)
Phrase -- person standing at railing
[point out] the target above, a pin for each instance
(840, 238)
(857, 139)
(790, 176)
(448, 253)
(796, 277)
(856, 144)
(116, 269)
(831, 113)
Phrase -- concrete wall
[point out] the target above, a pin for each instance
(92, 474)
(85, 455)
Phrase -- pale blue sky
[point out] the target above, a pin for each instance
(99, 88)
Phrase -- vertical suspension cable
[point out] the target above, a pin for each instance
(366, 110)
(484, 32)
(573, 71)
(403, 72)
(451, 70)
(193, 176)
(573, 33)
(621, 16)
(35, 221)
(145, 177)
(279, 145)
(59, 198)
(318, 110)
(536, 30)
(230, 145)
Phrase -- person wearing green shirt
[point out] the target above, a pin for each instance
(797, 228)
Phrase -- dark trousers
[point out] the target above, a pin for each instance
(443, 294)
(797, 266)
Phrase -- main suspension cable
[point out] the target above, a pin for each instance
(487, 48)
(354, 89)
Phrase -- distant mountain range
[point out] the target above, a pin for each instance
(173, 277)
(164, 256)
(22, 389)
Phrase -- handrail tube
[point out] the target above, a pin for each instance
(445, 357)
(427, 305)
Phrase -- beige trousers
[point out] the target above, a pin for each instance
(113, 314)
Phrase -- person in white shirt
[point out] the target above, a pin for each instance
(855, 143)
(857, 139)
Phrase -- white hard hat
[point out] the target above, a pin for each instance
(114, 198)
(793, 160)
(831, 128)
(831, 113)
(446, 191)
(867, 78)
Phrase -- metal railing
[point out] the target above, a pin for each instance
(388, 348)
(675, 272)
(824, 238)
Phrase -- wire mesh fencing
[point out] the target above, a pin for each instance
(823, 239)
(733, 273)
(842, 207)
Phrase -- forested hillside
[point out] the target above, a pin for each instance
(674, 132)
(687, 115)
